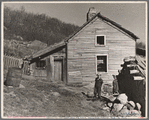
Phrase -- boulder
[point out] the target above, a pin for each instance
(123, 98)
(117, 107)
(129, 107)
(132, 103)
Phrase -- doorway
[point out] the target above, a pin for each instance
(58, 70)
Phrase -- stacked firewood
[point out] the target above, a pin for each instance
(131, 80)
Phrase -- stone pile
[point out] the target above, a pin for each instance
(121, 107)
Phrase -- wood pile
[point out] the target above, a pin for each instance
(132, 80)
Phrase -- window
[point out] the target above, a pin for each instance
(41, 64)
(100, 40)
(101, 63)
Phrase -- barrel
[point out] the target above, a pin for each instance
(13, 77)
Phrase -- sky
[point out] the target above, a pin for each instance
(131, 15)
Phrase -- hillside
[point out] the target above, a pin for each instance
(27, 27)
(37, 98)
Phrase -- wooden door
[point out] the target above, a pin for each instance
(58, 70)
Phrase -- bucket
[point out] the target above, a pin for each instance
(13, 77)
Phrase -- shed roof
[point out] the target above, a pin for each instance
(62, 43)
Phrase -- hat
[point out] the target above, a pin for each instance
(132, 103)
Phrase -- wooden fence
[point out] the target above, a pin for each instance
(10, 61)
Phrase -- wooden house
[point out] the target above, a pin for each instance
(98, 47)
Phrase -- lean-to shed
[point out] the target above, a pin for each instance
(98, 47)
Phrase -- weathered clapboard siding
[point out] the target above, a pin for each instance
(81, 51)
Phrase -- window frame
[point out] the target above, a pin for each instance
(41, 67)
(106, 61)
(104, 41)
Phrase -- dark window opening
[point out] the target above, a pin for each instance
(41, 64)
(101, 63)
(100, 40)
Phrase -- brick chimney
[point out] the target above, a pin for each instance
(91, 13)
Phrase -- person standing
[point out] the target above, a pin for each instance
(98, 85)
(115, 85)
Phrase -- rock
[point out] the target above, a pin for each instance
(135, 113)
(124, 112)
(117, 107)
(10, 86)
(110, 104)
(138, 106)
(132, 103)
(111, 98)
(129, 107)
(107, 88)
(90, 94)
(56, 94)
(12, 94)
(21, 86)
(123, 98)
(106, 108)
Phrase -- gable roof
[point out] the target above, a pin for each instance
(107, 20)
(64, 42)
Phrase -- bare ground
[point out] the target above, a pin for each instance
(44, 99)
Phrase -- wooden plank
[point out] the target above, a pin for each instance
(142, 71)
(122, 48)
(141, 63)
(131, 65)
(120, 44)
(138, 78)
(129, 60)
(134, 72)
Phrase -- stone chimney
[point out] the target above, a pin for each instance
(91, 13)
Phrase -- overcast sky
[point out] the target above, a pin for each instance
(131, 16)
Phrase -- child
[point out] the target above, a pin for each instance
(97, 87)
(115, 85)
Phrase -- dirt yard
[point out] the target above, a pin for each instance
(44, 99)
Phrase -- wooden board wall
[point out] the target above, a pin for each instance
(81, 52)
(48, 72)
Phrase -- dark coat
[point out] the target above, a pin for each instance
(98, 82)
